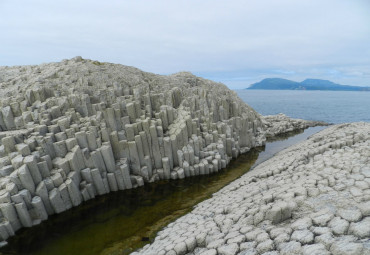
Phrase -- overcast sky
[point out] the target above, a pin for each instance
(235, 42)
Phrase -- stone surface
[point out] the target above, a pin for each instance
(290, 248)
(360, 229)
(230, 249)
(350, 214)
(346, 248)
(303, 236)
(310, 183)
(338, 225)
(315, 249)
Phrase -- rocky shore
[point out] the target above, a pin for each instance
(278, 124)
(76, 129)
(311, 198)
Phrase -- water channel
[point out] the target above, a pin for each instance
(120, 222)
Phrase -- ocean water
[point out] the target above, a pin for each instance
(329, 106)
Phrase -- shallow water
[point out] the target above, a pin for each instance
(123, 221)
(283, 141)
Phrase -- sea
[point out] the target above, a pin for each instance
(329, 106)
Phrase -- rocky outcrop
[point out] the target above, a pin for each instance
(77, 129)
(280, 124)
(311, 198)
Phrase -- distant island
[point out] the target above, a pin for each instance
(308, 84)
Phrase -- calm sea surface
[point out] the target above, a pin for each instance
(329, 106)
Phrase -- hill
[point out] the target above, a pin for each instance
(308, 84)
(76, 129)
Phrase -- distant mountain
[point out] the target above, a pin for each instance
(308, 84)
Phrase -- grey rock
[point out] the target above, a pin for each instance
(265, 246)
(339, 226)
(279, 212)
(303, 236)
(346, 248)
(25, 178)
(365, 208)
(248, 245)
(326, 239)
(315, 249)
(351, 214)
(290, 248)
(106, 127)
(360, 229)
(56, 201)
(251, 251)
(209, 252)
(180, 248)
(23, 214)
(303, 223)
(322, 218)
(229, 249)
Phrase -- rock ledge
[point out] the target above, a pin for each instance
(311, 198)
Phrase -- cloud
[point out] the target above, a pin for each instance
(238, 40)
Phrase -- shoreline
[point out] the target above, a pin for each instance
(197, 190)
(311, 198)
(78, 129)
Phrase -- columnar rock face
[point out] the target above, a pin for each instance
(312, 198)
(280, 123)
(77, 129)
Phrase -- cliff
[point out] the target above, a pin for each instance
(77, 129)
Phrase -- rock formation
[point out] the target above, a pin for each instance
(311, 198)
(77, 129)
(280, 123)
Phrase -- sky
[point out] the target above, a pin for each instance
(236, 42)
